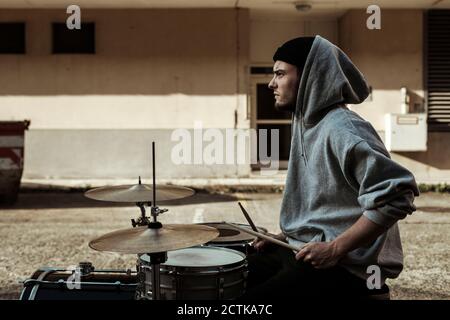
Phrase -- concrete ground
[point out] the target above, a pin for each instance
(53, 229)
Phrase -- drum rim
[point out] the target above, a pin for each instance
(210, 267)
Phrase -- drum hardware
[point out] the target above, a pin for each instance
(36, 284)
(156, 259)
(56, 284)
(85, 268)
(143, 220)
(148, 236)
(220, 285)
(162, 271)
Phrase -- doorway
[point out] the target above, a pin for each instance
(265, 116)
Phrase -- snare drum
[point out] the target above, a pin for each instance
(198, 273)
(231, 238)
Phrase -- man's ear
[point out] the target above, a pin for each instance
(299, 72)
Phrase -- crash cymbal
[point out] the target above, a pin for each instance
(146, 240)
(138, 193)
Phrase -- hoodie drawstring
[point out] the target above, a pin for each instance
(301, 138)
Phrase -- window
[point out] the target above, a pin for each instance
(12, 37)
(437, 69)
(74, 41)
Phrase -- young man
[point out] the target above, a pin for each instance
(343, 193)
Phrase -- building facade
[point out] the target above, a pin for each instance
(155, 74)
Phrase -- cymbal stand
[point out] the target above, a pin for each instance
(156, 258)
(143, 220)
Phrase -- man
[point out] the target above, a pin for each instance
(343, 193)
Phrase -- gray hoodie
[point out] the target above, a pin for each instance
(339, 168)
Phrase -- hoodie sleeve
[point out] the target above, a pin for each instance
(386, 190)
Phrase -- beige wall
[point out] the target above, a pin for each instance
(152, 69)
(94, 116)
(269, 30)
(391, 58)
(148, 71)
(152, 74)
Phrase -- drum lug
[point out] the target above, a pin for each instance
(177, 285)
(220, 284)
(245, 276)
(221, 290)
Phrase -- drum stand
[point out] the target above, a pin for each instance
(156, 258)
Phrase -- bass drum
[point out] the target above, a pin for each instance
(63, 284)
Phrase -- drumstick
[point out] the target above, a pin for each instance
(263, 236)
(250, 222)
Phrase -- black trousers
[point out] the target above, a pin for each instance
(275, 274)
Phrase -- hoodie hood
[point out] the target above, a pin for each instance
(329, 78)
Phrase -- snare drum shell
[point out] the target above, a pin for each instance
(199, 283)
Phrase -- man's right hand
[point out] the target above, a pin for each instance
(259, 244)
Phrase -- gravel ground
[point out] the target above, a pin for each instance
(53, 229)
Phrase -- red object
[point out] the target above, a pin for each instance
(9, 153)
(13, 128)
(11, 158)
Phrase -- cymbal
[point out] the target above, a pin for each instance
(228, 234)
(138, 193)
(146, 240)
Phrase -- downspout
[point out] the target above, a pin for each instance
(236, 113)
(236, 110)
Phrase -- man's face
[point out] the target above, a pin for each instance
(284, 84)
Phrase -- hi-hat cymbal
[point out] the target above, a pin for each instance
(229, 234)
(138, 193)
(146, 240)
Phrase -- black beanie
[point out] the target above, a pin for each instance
(295, 51)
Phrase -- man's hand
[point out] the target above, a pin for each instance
(327, 254)
(321, 255)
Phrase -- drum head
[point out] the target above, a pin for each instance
(200, 257)
(228, 234)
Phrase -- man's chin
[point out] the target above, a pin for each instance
(284, 107)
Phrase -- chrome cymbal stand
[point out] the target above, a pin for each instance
(156, 258)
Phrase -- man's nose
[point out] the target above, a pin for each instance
(272, 84)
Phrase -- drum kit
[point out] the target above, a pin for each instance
(175, 261)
